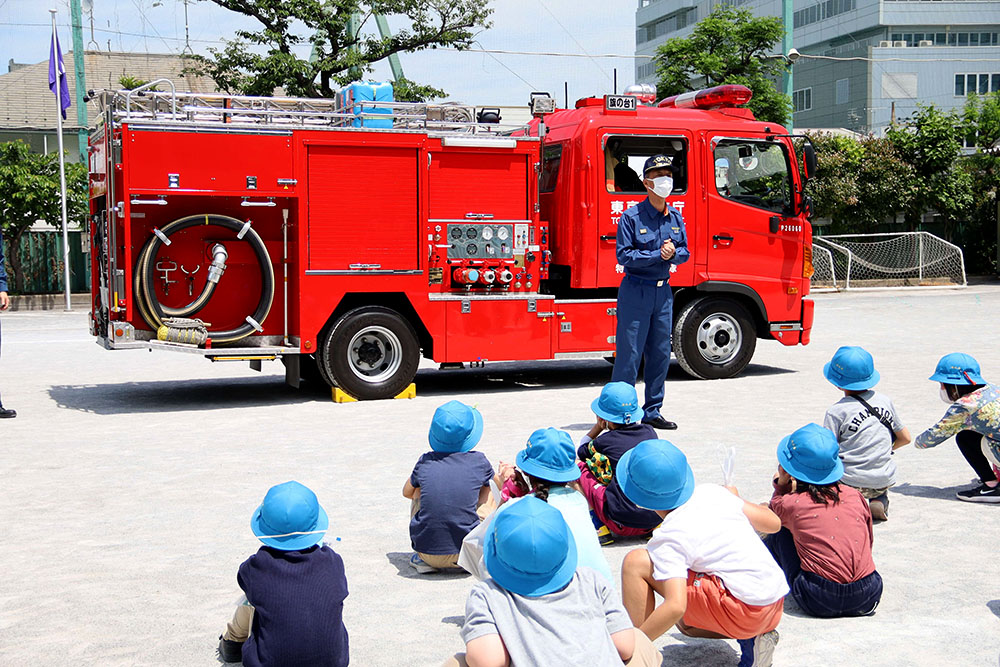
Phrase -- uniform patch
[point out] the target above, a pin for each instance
(642, 231)
(677, 230)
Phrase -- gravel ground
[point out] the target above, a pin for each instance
(129, 479)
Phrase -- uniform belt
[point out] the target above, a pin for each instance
(665, 282)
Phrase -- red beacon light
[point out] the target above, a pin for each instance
(729, 95)
(643, 92)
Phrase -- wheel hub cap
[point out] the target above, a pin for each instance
(719, 338)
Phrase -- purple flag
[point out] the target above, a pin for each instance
(56, 61)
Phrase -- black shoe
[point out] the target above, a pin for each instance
(981, 494)
(7, 414)
(230, 651)
(658, 422)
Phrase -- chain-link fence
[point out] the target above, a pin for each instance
(873, 261)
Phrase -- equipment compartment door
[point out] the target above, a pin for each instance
(754, 239)
(481, 183)
(363, 208)
(498, 329)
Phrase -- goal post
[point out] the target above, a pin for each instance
(890, 260)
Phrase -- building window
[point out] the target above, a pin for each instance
(802, 100)
(843, 93)
(982, 84)
(948, 39)
(821, 11)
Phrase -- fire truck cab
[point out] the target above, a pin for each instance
(349, 240)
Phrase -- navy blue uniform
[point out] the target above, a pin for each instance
(645, 300)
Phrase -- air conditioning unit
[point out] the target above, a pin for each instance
(900, 44)
(885, 44)
(925, 42)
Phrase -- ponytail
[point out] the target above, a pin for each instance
(540, 487)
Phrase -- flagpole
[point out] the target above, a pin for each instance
(62, 164)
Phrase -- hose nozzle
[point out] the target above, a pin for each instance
(218, 266)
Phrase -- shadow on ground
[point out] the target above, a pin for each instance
(401, 561)
(694, 651)
(933, 492)
(518, 376)
(994, 606)
(179, 395)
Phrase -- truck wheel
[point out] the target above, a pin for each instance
(714, 337)
(371, 353)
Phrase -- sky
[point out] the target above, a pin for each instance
(590, 28)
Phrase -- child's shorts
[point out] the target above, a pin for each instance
(710, 606)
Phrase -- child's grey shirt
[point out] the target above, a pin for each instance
(572, 626)
(865, 443)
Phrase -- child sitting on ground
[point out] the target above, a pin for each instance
(618, 429)
(705, 560)
(825, 543)
(867, 427)
(549, 462)
(449, 489)
(295, 588)
(538, 608)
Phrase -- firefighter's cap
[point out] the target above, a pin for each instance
(658, 162)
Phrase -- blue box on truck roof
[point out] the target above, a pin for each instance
(353, 96)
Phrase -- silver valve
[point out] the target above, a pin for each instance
(505, 276)
(219, 257)
(487, 277)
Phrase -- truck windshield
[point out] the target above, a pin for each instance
(754, 172)
(624, 157)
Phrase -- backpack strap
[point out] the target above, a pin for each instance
(877, 415)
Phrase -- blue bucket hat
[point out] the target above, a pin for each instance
(290, 518)
(456, 427)
(811, 454)
(618, 403)
(529, 550)
(958, 368)
(550, 455)
(655, 475)
(852, 368)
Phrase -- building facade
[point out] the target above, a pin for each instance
(862, 60)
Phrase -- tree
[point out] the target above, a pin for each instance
(978, 234)
(29, 191)
(257, 62)
(928, 140)
(728, 46)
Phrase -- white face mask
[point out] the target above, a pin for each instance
(944, 395)
(662, 186)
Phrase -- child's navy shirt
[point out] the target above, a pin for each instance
(298, 601)
(449, 486)
(614, 444)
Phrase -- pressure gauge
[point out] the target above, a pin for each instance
(471, 232)
(487, 233)
(503, 233)
(456, 232)
(471, 249)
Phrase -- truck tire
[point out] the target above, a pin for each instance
(370, 353)
(714, 337)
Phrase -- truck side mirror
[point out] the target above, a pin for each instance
(807, 206)
(809, 160)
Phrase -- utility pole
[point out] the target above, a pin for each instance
(79, 69)
(786, 48)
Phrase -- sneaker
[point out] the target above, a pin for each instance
(418, 564)
(880, 508)
(981, 494)
(230, 651)
(7, 414)
(758, 651)
(604, 536)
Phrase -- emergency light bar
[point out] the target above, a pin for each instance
(729, 95)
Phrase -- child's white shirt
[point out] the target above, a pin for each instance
(711, 534)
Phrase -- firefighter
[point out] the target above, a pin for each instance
(651, 243)
(4, 305)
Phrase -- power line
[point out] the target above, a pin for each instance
(112, 32)
(571, 36)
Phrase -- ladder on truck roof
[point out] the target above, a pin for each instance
(144, 105)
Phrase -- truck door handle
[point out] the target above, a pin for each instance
(608, 237)
(726, 238)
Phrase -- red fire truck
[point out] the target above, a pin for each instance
(349, 241)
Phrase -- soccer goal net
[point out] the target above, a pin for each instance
(904, 259)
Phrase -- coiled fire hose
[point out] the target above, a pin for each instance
(154, 313)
